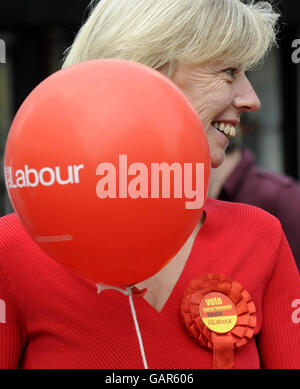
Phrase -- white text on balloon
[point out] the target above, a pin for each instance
(160, 178)
(138, 186)
(46, 176)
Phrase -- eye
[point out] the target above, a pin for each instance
(231, 71)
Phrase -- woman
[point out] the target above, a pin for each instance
(56, 320)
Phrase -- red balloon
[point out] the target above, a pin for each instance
(107, 166)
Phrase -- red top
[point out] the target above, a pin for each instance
(276, 193)
(56, 319)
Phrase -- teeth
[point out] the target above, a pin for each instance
(228, 130)
(222, 127)
(232, 132)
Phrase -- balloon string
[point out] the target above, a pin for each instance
(128, 292)
(138, 333)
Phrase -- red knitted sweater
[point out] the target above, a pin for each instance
(55, 318)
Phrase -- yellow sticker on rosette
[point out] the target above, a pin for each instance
(218, 312)
(220, 315)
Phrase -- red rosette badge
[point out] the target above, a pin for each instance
(220, 315)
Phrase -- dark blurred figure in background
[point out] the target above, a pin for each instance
(240, 180)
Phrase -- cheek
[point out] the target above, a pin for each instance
(210, 100)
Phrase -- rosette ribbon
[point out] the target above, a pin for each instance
(223, 345)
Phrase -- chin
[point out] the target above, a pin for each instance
(217, 160)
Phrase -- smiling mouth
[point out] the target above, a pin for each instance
(226, 129)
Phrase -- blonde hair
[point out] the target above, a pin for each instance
(161, 33)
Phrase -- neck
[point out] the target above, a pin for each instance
(219, 175)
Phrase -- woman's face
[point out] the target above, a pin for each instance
(219, 94)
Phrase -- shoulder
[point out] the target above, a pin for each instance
(245, 221)
(10, 227)
(15, 242)
(276, 181)
(11, 230)
(274, 185)
(266, 177)
(9, 219)
(240, 211)
(262, 186)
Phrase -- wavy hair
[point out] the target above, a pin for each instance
(161, 33)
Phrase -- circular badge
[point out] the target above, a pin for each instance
(218, 312)
(220, 315)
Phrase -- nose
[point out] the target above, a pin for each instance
(245, 98)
